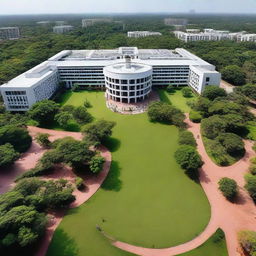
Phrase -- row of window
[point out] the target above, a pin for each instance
(132, 81)
(129, 94)
(17, 107)
(128, 88)
(15, 93)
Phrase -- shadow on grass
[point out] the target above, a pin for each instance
(113, 182)
(62, 245)
(63, 97)
(112, 144)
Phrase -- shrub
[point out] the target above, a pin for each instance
(79, 183)
(218, 236)
(232, 143)
(195, 116)
(43, 139)
(251, 185)
(96, 164)
(247, 240)
(188, 158)
(213, 126)
(252, 169)
(7, 155)
(82, 116)
(170, 88)
(186, 92)
(63, 118)
(87, 104)
(212, 92)
(254, 146)
(249, 90)
(202, 105)
(187, 138)
(44, 111)
(228, 187)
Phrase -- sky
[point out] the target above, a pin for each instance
(125, 6)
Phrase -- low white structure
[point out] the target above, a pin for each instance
(62, 29)
(90, 22)
(9, 33)
(128, 82)
(109, 68)
(137, 34)
(214, 35)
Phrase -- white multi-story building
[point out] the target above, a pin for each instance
(90, 22)
(214, 35)
(9, 33)
(109, 68)
(62, 29)
(138, 34)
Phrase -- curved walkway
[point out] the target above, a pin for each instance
(231, 217)
(29, 159)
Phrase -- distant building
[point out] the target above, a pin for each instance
(9, 33)
(138, 34)
(127, 74)
(62, 29)
(175, 21)
(60, 22)
(214, 35)
(43, 22)
(90, 22)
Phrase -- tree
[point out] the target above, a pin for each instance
(18, 137)
(44, 111)
(170, 88)
(187, 138)
(43, 139)
(188, 158)
(67, 108)
(212, 92)
(87, 104)
(247, 240)
(82, 116)
(228, 187)
(235, 123)
(96, 164)
(224, 107)
(251, 185)
(233, 144)
(75, 88)
(8, 155)
(213, 126)
(233, 74)
(63, 118)
(186, 92)
(249, 90)
(98, 131)
(202, 105)
(79, 183)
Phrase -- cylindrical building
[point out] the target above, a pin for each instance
(128, 82)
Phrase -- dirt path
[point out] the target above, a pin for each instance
(29, 160)
(231, 217)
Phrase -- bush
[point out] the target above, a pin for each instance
(170, 88)
(252, 169)
(212, 92)
(232, 143)
(63, 118)
(43, 139)
(218, 236)
(87, 104)
(98, 131)
(254, 146)
(188, 158)
(228, 187)
(251, 185)
(18, 137)
(96, 164)
(44, 111)
(166, 113)
(186, 92)
(247, 240)
(202, 105)
(195, 116)
(7, 155)
(213, 126)
(249, 90)
(79, 183)
(187, 138)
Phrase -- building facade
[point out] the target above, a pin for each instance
(108, 69)
(62, 29)
(9, 33)
(138, 34)
(90, 22)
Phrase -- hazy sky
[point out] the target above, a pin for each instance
(105, 6)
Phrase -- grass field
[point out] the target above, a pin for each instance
(212, 247)
(147, 199)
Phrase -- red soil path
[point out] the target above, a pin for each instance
(29, 160)
(231, 217)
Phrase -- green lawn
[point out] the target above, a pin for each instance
(177, 99)
(147, 199)
(212, 247)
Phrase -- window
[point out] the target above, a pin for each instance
(207, 79)
(124, 87)
(132, 81)
(123, 81)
